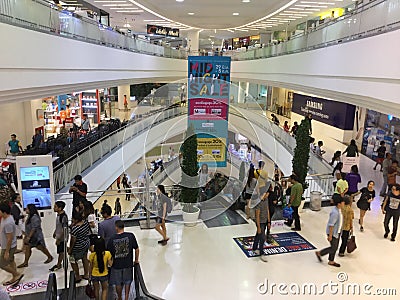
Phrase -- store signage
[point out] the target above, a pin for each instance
(160, 30)
(334, 113)
(208, 97)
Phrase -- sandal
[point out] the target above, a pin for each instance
(23, 265)
(49, 260)
(15, 282)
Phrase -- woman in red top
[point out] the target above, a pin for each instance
(286, 127)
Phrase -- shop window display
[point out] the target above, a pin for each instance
(381, 127)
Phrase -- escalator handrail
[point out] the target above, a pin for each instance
(51, 291)
(140, 281)
(72, 286)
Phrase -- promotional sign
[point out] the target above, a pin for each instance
(208, 97)
(336, 114)
(160, 30)
(281, 243)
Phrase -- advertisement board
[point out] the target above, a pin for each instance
(334, 113)
(160, 30)
(208, 98)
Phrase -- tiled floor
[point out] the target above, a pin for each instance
(205, 263)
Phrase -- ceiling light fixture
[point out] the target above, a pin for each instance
(190, 13)
(118, 4)
(180, 0)
(235, 14)
(245, 1)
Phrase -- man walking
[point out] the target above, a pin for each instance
(8, 242)
(263, 221)
(332, 230)
(387, 162)
(391, 209)
(295, 201)
(121, 246)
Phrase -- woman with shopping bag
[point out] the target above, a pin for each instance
(347, 223)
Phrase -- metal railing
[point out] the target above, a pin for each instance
(317, 165)
(44, 16)
(85, 158)
(320, 183)
(140, 285)
(375, 17)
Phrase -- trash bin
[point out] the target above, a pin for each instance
(315, 200)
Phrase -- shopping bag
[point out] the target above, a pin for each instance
(89, 291)
(351, 244)
(287, 213)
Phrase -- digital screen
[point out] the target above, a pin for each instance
(35, 182)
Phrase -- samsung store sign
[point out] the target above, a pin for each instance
(336, 114)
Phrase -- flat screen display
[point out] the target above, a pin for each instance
(35, 183)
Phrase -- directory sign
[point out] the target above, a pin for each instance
(208, 97)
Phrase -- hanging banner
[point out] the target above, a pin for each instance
(208, 97)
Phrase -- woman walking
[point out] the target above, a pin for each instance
(162, 214)
(99, 261)
(249, 190)
(364, 203)
(353, 178)
(347, 223)
(34, 236)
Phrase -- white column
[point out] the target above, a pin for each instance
(122, 91)
(193, 42)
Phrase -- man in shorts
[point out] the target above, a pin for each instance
(121, 246)
(8, 241)
(58, 235)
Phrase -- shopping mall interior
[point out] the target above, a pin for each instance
(192, 95)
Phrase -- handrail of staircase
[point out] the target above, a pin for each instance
(51, 291)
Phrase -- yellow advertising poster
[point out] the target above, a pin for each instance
(209, 149)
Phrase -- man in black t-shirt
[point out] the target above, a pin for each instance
(79, 191)
(121, 246)
(391, 209)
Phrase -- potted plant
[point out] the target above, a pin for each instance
(189, 180)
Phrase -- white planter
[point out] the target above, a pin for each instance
(191, 219)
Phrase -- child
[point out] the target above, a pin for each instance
(99, 261)
(61, 223)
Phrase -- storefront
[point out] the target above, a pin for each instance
(380, 127)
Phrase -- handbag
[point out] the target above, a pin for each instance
(89, 290)
(351, 244)
(287, 213)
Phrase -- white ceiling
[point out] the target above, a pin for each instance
(215, 17)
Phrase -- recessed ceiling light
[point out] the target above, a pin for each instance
(191, 13)
(180, 0)
(235, 14)
(245, 1)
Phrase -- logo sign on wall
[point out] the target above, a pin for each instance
(208, 96)
(336, 114)
(160, 30)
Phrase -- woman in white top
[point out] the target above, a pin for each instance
(91, 218)
(203, 175)
(249, 189)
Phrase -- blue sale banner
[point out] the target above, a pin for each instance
(208, 105)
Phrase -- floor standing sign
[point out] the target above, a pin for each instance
(35, 185)
(208, 97)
